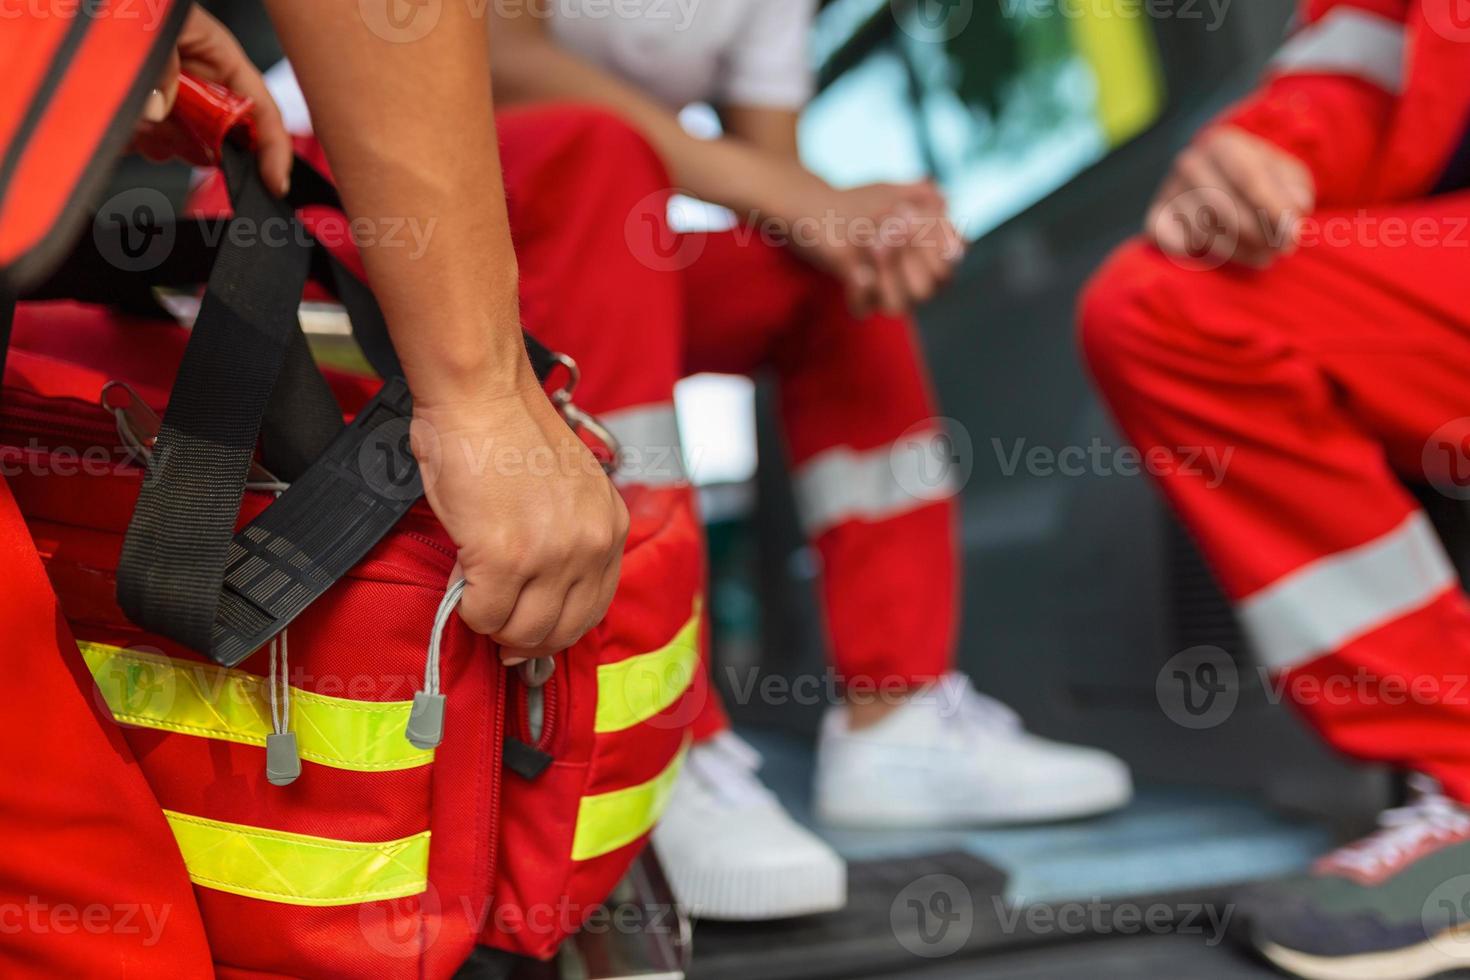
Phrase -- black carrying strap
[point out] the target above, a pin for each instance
(247, 373)
(183, 572)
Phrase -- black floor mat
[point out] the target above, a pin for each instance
(901, 912)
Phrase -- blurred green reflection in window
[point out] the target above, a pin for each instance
(1003, 100)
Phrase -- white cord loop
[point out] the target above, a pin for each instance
(282, 759)
(426, 719)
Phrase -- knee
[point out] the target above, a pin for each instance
(1123, 309)
(604, 141)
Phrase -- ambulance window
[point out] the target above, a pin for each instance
(1003, 100)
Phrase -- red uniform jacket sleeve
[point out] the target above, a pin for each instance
(1335, 123)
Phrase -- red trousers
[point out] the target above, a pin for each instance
(1318, 387)
(639, 309)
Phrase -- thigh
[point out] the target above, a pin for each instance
(1376, 300)
(743, 296)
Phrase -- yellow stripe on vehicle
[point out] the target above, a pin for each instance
(151, 690)
(609, 821)
(1117, 41)
(298, 869)
(634, 690)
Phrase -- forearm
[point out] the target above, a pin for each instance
(410, 134)
(730, 172)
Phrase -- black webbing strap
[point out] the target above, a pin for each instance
(178, 544)
(302, 416)
(183, 572)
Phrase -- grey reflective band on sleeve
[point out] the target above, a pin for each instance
(1348, 41)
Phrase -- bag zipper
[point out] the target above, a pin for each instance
(525, 698)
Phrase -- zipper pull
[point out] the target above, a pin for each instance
(282, 758)
(426, 719)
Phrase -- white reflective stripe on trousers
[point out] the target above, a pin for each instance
(843, 484)
(1348, 41)
(1320, 607)
(650, 452)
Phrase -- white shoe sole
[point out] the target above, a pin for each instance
(1427, 959)
(1063, 803)
(760, 894)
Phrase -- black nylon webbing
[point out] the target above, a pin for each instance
(178, 543)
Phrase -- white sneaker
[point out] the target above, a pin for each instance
(731, 852)
(952, 755)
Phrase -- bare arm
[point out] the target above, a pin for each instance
(865, 237)
(410, 134)
(530, 67)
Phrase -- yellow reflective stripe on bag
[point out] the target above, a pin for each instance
(608, 821)
(634, 690)
(298, 869)
(151, 690)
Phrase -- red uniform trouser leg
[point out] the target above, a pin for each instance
(1281, 411)
(91, 883)
(576, 179)
(867, 451)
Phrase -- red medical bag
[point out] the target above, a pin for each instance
(316, 617)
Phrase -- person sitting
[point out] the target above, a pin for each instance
(827, 311)
(1300, 301)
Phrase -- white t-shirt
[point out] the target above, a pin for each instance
(725, 52)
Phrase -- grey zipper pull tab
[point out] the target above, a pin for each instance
(282, 760)
(426, 719)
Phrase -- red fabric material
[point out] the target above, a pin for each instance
(93, 885)
(1324, 377)
(81, 114)
(1361, 143)
(508, 855)
(889, 587)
